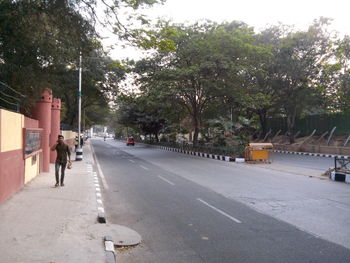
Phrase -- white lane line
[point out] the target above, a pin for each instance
(104, 182)
(166, 180)
(131, 160)
(143, 167)
(220, 211)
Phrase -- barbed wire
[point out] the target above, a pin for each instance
(9, 101)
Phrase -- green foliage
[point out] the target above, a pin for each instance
(227, 71)
(147, 113)
(35, 37)
(40, 42)
(227, 133)
(208, 62)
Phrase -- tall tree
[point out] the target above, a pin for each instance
(207, 62)
(297, 63)
(341, 95)
(40, 42)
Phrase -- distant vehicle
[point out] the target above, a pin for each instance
(130, 141)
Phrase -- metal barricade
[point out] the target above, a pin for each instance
(342, 165)
(258, 152)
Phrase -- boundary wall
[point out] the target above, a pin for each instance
(16, 167)
(11, 153)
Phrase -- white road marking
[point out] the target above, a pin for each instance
(143, 167)
(104, 182)
(220, 211)
(166, 180)
(131, 160)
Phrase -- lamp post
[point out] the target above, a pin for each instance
(79, 152)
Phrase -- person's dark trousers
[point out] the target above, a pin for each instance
(57, 168)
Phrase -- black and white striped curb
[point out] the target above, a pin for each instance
(205, 155)
(340, 177)
(314, 154)
(335, 176)
(101, 218)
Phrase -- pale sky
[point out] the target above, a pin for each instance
(256, 13)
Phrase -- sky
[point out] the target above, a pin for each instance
(256, 13)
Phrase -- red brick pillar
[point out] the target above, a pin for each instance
(55, 125)
(42, 112)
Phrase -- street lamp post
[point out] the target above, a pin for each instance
(79, 152)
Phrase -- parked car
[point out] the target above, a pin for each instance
(130, 141)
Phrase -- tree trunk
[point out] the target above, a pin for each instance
(262, 119)
(195, 136)
(156, 135)
(196, 129)
(290, 126)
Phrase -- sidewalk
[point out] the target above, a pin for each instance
(41, 223)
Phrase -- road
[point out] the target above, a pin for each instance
(191, 209)
(304, 161)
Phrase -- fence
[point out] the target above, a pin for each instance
(10, 99)
(321, 123)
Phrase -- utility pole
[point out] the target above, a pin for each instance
(79, 152)
(84, 121)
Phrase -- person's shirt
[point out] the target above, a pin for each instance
(62, 152)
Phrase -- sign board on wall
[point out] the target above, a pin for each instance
(32, 141)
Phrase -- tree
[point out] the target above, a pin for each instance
(341, 92)
(208, 62)
(144, 112)
(36, 36)
(297, 63)
(40, 42)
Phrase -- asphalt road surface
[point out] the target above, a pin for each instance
(304, 161)
(191, 209)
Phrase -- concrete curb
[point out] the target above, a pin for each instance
(204, 155)
(337, 177)
(101, 217)
(313, 154)
(340, 177)
(109, 248)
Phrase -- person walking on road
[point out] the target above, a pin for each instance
(63, 152)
